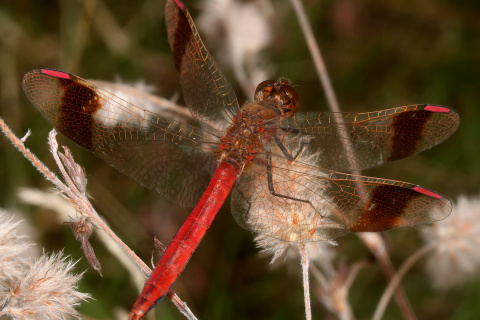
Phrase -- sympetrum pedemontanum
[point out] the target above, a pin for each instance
(282, 165)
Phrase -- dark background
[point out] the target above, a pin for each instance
(379, 55)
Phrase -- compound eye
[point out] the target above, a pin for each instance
(294, 100)
(264, 84)
(263, 90)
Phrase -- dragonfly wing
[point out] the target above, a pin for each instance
(329, 204)
(137, 95)
(174, 158)
(208, 93)
(256, 209)
(376, 137)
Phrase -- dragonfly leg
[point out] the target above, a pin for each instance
(286, 153)
(270, 181)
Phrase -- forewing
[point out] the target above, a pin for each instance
(139, 95)
(208, 94)
(376, 137)
(328, 204)
(172, 157)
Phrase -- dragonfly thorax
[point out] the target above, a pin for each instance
(244, 138)
(273, 100)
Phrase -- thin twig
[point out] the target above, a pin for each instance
(182, 306)
(76, 40)
(306, 284)
(118, 41)
(320, 278)
(316, 55)
(381, 255)
(86, 207)
(326, 83)
(395, 281)
(347, 312)
(18, 143)
(83, 205)
(324, 80)
(377, 246)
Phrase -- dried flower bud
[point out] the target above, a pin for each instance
(82, 230)
(13, 252)
(75, 171)
(47, 290)
(456, 255)
(279, 222)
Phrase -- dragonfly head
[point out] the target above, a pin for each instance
(280, 94)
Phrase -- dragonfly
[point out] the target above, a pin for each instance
(283, 168)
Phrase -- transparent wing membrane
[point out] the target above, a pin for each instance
(208, 93)
(174, 158)
(328, 204)
(376, 137)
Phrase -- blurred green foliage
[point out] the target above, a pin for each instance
(380, 54)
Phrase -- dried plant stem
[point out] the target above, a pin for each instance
(379, 250)
(316, 55)
(346, 313)
(75, 41)
(326, 84)
(322, 72)
(117, 40)
(86, 207)
(306, 284)
(319, 277)
(80, 200)
(182, 306)
(50, 176)
(395, 281)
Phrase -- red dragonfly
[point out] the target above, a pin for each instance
(283, 166)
